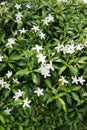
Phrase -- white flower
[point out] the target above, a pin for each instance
(2, 83)
(85, 43)
(58, 48)
(9, 74)
(3, 3)
(6, 85)
(85, 94)
(50, 66)
(70, 48)
(63, 80)
(81, 80)
(28, 6)
(39, 91)
(45, 21)
(85, 1)
(10, 42)
(19, 15)
(64, 49)
(15, 80)
(26, 103)
(38, 48)
(17, 6)
(74, 80)
(42, 35)
(16, 97)
(7, 110)
(4, 10)
(22, 31)
(41, 58)
(79, 47)
(14, 33)
(18, 94)
(44, 69)
(50, 18)
(18, 20)
(1, 57)
(35, 28)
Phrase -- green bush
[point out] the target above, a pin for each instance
(43, 65)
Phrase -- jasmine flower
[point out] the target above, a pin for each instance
(39, 91)
(1, 57)
(26, 103)
(35, 28)
(18, 6)
(41, 58)
(10, 42)
(22, 31)
(42, 35)
(7, 110)
(81, 80)
(74, 80)
(9, 74)
(18, 94)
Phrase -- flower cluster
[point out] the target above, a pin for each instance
(45, 69)
(78, 80)
(26, 102)
(48, 19)
(69, 49)
(35, 29)
(3, 8)
(18, 17)
(4, 84)
(37, 64)
(75, 80)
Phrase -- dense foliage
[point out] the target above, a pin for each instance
(43, 65)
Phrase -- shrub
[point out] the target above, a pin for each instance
(43, 65)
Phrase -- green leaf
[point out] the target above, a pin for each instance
(46, 96)
(48, 83)
(6, 58)
(76, 88)
(2, 119)
(56, 59)
(50, 99)
(11, 66)
(75, 97)
(69, 99)
(35, 78)
(62, 69)
(22, 72)
(73, 70)
(83, 60)
(7, 93)
(1, 128)
(8, 127)
(20, 128)
(15, 57)
(62, 104)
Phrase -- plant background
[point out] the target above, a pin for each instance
(60, 107)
